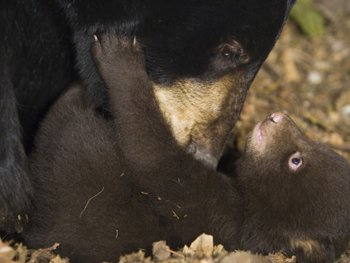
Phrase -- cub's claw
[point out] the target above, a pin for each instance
(117, 53)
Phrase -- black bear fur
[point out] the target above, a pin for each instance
(35, 66)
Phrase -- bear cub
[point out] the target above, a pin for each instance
(107, 187)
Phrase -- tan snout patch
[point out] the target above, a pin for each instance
(199, 111)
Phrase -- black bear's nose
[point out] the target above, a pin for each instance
(203, 154)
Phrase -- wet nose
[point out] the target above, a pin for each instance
(206, 158)
(277, 117)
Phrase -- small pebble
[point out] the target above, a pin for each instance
(345, 113)
(338, 46)
(314, 78)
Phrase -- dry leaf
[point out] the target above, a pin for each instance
(58, 259)
(7, 253)
(138, 257)
(204, 243)
(243, 257)
(160, 250)
(291, 73)
(43, 255)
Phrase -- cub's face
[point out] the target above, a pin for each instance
(202, 57)
(280, 161)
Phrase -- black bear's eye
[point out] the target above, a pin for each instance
(233, 52)
(229, 52)
(229, 55)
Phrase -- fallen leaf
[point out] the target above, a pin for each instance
(204, 243)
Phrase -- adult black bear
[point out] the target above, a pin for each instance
(105, 187)
(201, 57)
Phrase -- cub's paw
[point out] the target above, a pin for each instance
(119, 54)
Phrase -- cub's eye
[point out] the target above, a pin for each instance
(295, 161)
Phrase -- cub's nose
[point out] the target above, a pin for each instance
(277, 117)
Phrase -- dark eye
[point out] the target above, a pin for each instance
(233, 52)
(228, 52)
(295, 161)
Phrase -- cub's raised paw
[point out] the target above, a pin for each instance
(118, 52)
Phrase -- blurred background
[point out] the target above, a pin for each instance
(307, 75)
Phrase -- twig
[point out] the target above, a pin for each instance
(343, 148)
(90, 199)
(175, 253)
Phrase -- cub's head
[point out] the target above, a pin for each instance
(296, 191)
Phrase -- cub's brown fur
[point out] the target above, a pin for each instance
(296, 194)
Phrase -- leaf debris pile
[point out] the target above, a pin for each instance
(202, 250)
(17, 253)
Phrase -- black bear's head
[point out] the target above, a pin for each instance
(201, 55)
(296, 193)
